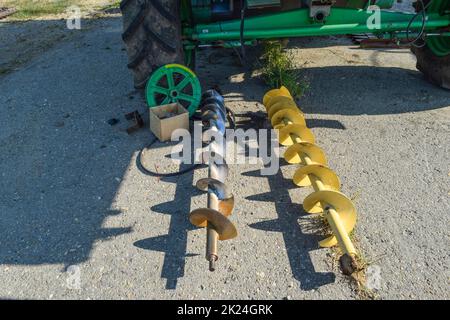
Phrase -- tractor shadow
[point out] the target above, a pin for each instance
(333, 90)
(365, 90)
(61, 162)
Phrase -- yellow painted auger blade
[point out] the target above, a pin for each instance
(329, 179)
(297, 152)
(291, 134)
(280, 106)
(280, 118)
(283, 91)
(337, 201)
(224, 227)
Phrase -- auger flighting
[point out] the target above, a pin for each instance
(326, 199)
(220, 199)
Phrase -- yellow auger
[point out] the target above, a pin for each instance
(326, 199)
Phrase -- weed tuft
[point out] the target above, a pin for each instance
(278, 69)
(358, 279)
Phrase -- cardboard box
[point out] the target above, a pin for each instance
(167, 118)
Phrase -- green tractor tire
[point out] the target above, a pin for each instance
(433, 59)
(152, 36)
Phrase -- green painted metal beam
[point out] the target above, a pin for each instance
(262, 3)
(297, 23)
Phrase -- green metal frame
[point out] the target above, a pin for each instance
(341, 21)
(297, 23)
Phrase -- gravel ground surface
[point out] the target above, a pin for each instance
(75, 206)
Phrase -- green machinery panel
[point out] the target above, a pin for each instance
(262, 3)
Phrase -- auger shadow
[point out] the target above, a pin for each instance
(174, 243)
(336, 90)
(298, 244)
(251, 120)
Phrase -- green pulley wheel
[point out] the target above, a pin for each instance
(174, 83)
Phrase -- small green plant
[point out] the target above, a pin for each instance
(278, 69)
(358, 278)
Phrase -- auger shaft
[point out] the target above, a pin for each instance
(345, 243)
(211, 246)
(330, 214)
(211, 234)
(332, 217)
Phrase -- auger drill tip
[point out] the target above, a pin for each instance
(212, 262)
(348, 264)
